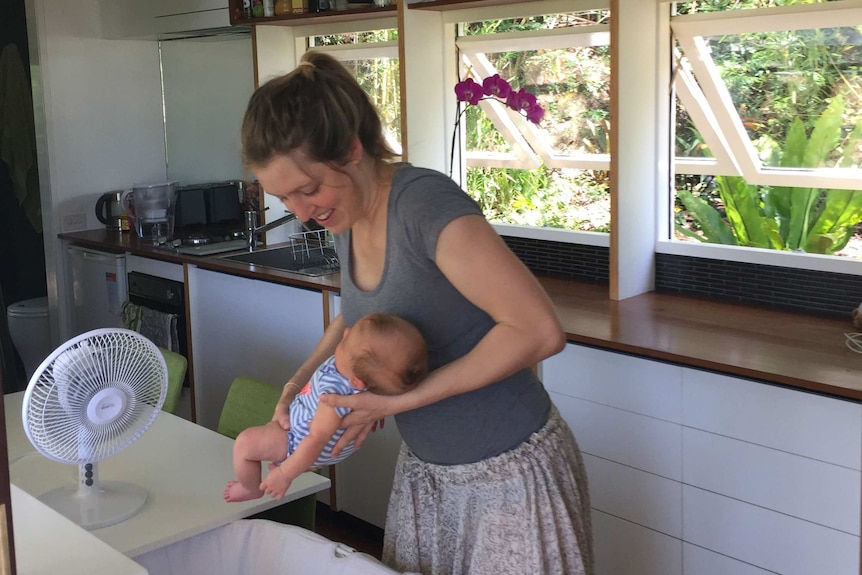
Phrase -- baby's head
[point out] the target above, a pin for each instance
(386, 353)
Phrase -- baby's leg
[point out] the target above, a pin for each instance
(255, 444)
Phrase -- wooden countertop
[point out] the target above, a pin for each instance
(130, 243)
(791, 349)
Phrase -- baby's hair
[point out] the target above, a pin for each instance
(320, 108)
(369, 364)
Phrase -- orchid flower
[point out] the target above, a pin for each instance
(468, 91)
(496, 88)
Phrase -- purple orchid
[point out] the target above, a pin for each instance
(522, 101)
(535, 113)
(496, 86)
(468, 91)
(499, 89)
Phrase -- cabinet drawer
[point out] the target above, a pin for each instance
(623, 548)
(794, 421)
(645, 443)
(798, 486)
(617, 380)
(699, 561)
(764, 538)
(637, 496)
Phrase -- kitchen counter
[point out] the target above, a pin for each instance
(132, 244)
(792, 349)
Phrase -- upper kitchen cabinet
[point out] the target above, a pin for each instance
(160, 19)
(457, 4)
(355, 11)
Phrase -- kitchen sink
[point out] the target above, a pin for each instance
(296, 258)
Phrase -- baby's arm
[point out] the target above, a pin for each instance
(325, 423)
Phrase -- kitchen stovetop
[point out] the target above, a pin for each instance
(206, 241)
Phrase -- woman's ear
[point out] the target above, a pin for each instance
(356, 151)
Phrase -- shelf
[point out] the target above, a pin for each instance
(349, 15)
(441, 5)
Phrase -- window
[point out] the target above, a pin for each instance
(554, 175)
(768, 130)
(372, 56)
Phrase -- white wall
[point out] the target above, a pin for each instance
(98, 120)
(208, 83)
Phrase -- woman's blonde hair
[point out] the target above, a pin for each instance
(318, 108)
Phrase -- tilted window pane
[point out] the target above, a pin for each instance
(529, 174)
(778, 78)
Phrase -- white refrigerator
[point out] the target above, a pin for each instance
(98, 288)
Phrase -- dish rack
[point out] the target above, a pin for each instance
(315, 248)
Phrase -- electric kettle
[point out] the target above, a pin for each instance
(110, 211)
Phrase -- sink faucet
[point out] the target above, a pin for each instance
(252, 230)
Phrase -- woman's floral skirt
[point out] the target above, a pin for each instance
(523, 512)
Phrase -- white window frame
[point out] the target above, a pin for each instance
(711, 109)
(352, 52)
(529, 148)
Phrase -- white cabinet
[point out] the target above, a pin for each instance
(364, 480)
(705, 474)
(625, 413)
(772, 475)
(248, 327)
(151, 18)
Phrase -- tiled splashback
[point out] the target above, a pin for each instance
(563, 260)
(820, 293)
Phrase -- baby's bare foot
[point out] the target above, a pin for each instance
(236, 492)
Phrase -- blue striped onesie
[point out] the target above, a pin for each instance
(326, 379)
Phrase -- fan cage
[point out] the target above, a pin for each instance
(55, 411)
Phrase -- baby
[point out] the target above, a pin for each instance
(381, 353)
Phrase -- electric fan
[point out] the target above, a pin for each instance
(91, 398)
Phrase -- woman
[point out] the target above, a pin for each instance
(489, 478)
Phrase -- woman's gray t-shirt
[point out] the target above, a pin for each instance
(464, 428)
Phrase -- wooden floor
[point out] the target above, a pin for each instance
(349, 530)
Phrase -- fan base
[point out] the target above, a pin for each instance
(109, 503)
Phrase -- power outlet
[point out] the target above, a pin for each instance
(74, 222)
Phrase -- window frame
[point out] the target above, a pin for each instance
(724, 133)
(528, 148)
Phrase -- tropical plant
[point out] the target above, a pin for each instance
(786, 218)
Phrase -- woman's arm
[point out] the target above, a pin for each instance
(488, 274)
(324, 348)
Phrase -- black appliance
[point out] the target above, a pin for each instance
(164, 295)
(208, 218)
(109, 211)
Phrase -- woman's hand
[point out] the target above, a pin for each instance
(281, 414)
(368, 413)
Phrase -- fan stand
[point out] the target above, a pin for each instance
(95, 504)
(91, 398)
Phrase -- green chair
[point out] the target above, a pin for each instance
(177, 366)
(252, 402)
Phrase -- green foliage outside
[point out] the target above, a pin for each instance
(812, 220)
(379, 77)
(572, 86)
(799, 95)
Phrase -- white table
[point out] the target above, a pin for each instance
(183, 466)
(46, 543)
